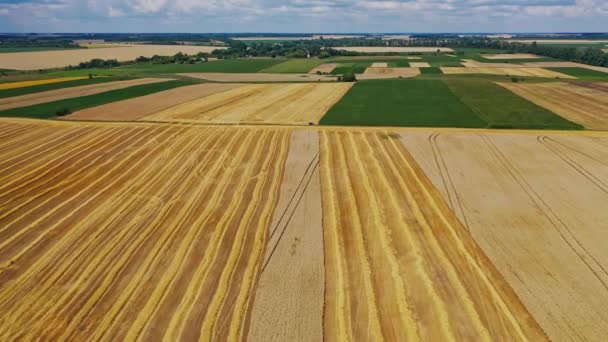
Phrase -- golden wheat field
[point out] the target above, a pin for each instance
(297, 104)
(507, 71)
(141, 231)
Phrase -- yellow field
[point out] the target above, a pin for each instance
(419, 65)
(13, 85)
(508, 71)
(382, 73)
(585, 103)
(298, 104)
(144, 231)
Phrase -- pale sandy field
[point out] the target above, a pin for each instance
(141, 231)
(297, 104)
(511, 56)
(60, 59)
(71, 92)
(419, 65)
(382, 73)
(379, 65)
(324, 68)
(585, 103)
(260, 77)
(535, 203)
(507, 71)
(393, 49)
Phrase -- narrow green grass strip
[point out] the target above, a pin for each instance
(402, 102)
(504, 109)
(49, 110)
(582, 73)
(52, 86)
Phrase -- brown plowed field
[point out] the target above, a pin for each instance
(382, 73)
(137, 108)
(297, 104)
(59, 59)
(261, 77)
(582, 104)
(384, 220)
(536, 206)
(507, 71)
(67, 93)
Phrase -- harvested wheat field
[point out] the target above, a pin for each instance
(419, 65)
(297, 104)
(383, 73)
(63, 58)
(566, 65)
(536, 205)
(399, 264)
(324, 68)
(510, 56)
(380, 65)
(585, 104)
(375, 49)
(133, 232)
(261, 77)
(138, 107)
(23, 84)
(508, 71)
(66, 93)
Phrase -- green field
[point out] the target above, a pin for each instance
(440, 60)
(392, 62)
(350, 68)
(52, 86)
(294, 66)
(49, 110)
(582, 73)
(500, 108)
(450, 102)
(401, 102)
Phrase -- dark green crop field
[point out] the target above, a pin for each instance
(51, 109)
(455, 102)
(401, 102)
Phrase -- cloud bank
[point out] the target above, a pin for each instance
(302, 15)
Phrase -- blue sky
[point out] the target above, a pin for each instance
(303, 16)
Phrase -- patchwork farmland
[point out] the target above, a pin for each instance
(401, 194)
(206, 230)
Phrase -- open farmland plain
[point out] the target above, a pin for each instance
(113, 231)
(507, 71)
(60, 59)
(14, 85)
(71, 92)
(583, 102)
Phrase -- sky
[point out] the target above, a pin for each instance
(310, 16)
